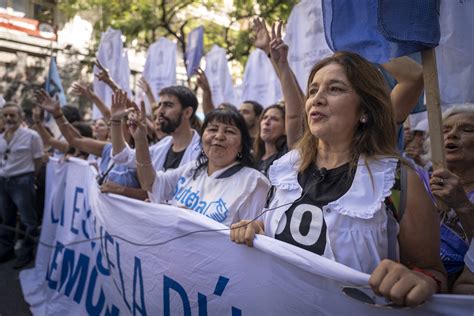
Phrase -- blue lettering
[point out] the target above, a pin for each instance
(185, 193)
(202, 301)
(102, 269)
(178, 191)
(75, 209)
(192, 200)
(137, 276)
(121, 276)
(73, 273)
(107, 239)
(201, 207)
(94, 309)
(168, 284)
(54, 265)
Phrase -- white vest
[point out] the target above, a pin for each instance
(357, 233)
(226, 200)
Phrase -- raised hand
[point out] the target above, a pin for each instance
(144, 85)
(82, 89)
(121, 105)
(278, 48)
(50, 105)
(260, 33)
(137, 123)
(202, 81)
(104, 75)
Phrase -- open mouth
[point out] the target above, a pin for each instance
(451, 147)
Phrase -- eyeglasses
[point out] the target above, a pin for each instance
(5, 155)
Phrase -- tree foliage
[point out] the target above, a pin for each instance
(148, 20)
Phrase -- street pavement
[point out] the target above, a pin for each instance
(11, 296)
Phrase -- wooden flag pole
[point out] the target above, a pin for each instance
(430, 77)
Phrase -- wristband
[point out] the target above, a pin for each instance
(431, 275)
(142, 164)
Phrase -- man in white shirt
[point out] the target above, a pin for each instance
(176, 108)
(21, 150)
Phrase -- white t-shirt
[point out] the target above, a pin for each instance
(18, 157)
(469, 257)
(227, 200)
(159, 151)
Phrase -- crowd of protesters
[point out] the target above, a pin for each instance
(330, 155)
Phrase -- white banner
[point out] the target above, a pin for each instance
(455, 53)
(113, 57)
(218, 75)
(129, 257)
(261, 83)
(305, 38)
(160, 66)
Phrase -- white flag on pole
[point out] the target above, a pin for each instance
(218, 75)
(160, 66)
(305, 38)
(261, 83)
(111, 55)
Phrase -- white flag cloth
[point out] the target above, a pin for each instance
(455, 53)
(305, 38)
(218, 75)
(113, 57)
(160, 66)
(260, 83)
(104, 254)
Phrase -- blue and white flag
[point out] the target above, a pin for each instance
(112, 56)
(455, 53)
(260, 83)
(194, 50)
(53, 84)
(305, 38)
(218, 75)
(381, 30)
(160, 66)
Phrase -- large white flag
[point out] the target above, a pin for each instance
(305, 38)
(110, 255)
(455, 53)
(160, 66)
(113, 57)
(261, 83)
(218, 75)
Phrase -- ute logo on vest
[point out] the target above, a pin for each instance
(216, 210)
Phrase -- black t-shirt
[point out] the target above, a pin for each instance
(264, 165)
(304, 224)
(173, 159)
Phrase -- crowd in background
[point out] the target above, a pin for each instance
(356, 179)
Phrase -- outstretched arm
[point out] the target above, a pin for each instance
(85, 144)
(81, 89)
(292, 94)
(203, 83)
(48, 139)
(145, 171)
(134, 193)
(145, 86)
(104, 76)
(409, 87)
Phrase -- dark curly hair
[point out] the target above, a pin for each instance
(234, 118)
